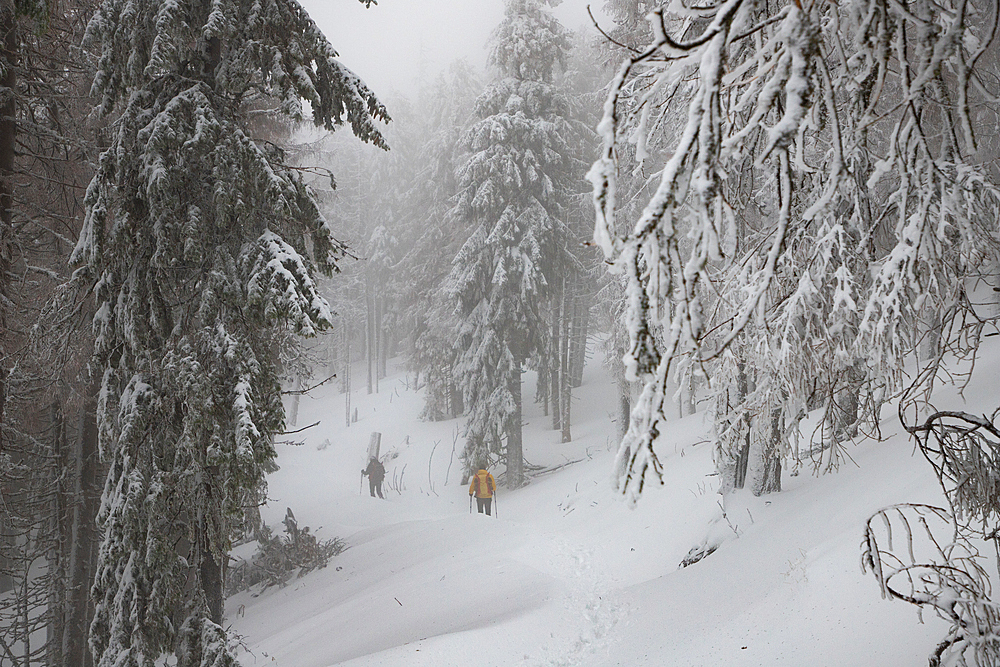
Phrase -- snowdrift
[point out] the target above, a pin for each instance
(567, 574)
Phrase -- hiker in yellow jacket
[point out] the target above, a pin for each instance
(482, 486)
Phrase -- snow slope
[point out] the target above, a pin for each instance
(567, 574)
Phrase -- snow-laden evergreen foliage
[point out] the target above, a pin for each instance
(512, 190)
(200, 246)
(821, 206)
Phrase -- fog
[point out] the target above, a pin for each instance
(396, 44)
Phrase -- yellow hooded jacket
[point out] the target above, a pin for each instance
(482, 484)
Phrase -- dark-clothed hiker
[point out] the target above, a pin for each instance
(482, 487)
(376, 473)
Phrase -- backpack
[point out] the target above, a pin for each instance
(489, 484)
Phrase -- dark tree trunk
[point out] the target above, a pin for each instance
(210, 569)
(457, 402)
(581, 327)
(211, 584)
(6, 529)
(8, 137)
(544, 380)
(742, 458)
(8, 140)
(555, 343)
(765, 459)
(3, 380)
(383, 341)
(515, 450)
(59, 536)
(565, 391)
(347, 372)
(83, 549)
(733, 463)
(369, 333)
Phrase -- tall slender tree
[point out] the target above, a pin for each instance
(513, 188)
(201, 245)
(48, 472)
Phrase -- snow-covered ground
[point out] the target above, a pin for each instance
(566, 573)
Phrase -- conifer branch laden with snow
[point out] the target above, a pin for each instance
(822, 200)
(201, 247)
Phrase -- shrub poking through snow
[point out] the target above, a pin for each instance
(280, 557)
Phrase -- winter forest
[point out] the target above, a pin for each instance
(772, 225)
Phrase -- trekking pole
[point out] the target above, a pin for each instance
(496, 508)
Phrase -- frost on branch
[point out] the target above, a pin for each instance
(926, 556)
(811, 207)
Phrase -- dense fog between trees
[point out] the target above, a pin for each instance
(761, 210)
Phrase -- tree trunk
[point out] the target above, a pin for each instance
(848, 404)
(383, 342)
(555, 381)
(742, 458)
(3, 375)
(83, 549)
(688, 404)
(732, 463)
(8, 140)
(542, 390)
(931, 336)
(379, 341)
(457, 401)
(347, 373)
(624, 407)
(6, 529)
(515, 452)
(59, 536)
(565, 384)
(764, 465)
(211, 584)
(567, 397)
(293, 411)
(581, 329)
(210, 568)
(994, 310)
(369, 333)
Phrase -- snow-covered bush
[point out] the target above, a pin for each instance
(279, 557)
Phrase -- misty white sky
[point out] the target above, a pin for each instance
(392, 44)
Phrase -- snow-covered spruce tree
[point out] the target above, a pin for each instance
(512, 190)
(823, 197)
(201, 248)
